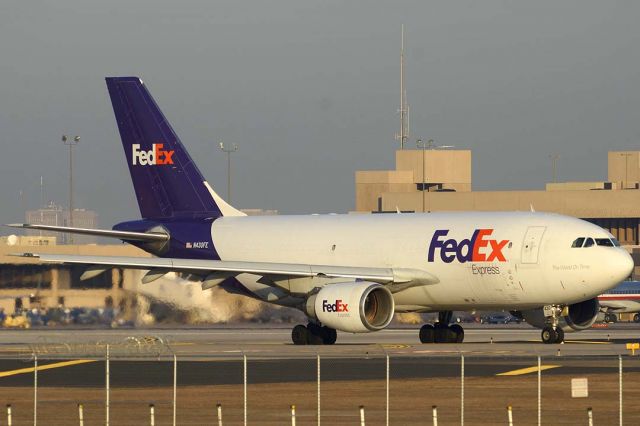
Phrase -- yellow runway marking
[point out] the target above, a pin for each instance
(45, 367)
(584, 342)
(527, 370)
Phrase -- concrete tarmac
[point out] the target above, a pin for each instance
(154, 373)
(214, 355)
(269, 342)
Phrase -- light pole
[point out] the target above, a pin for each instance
(423, 146)
(554, 166)
(70, 143)
(228, 150)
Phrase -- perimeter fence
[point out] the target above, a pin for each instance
(144, 381)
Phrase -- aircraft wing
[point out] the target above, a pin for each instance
(397, 278)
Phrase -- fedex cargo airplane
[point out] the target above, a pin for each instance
(349, 272)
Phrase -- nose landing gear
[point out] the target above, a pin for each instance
(441, 331)
(551, 333)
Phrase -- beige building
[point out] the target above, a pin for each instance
(50, 285)
(440, 180)
(55, 215)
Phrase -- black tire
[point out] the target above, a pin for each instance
(457, 333)
(427, 334)
(548, 335)
(315, 335)
(636, 318)
(560, 335)
(443, 334)
(300, 335)
(329, 335)
(607, 318)
(613, 318)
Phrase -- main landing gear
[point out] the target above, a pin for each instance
(441, 331)
(313, 334)
(551, 333)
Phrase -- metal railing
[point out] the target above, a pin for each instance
(377, 382)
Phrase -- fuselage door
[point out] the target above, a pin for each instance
(531, 244)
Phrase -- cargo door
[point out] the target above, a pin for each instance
(531, 244)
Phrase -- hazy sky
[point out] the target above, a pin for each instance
(309, 92)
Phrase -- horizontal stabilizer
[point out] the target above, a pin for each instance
(123, 235)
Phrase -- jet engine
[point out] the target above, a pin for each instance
(354, 307)
(576, 317)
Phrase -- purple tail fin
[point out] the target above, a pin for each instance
(166, 180)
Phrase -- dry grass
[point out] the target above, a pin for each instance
(486, 399)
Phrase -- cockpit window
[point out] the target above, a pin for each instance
(615, 242)
(578, 243)
(589, 242)
(606, 242)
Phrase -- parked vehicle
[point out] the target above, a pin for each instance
(500, 318)
(461, 317)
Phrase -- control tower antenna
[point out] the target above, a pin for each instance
(41, 192)
(403, 136)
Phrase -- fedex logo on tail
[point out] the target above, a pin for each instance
(155, 156)
(479, 248)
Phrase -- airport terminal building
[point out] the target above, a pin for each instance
(441, 180)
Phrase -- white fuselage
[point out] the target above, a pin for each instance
(523, 260)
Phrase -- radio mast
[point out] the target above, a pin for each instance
(403, 136)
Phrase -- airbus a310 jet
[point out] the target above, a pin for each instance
(349, 272)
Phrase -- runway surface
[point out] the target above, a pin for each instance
(267, 342)
(127, 374)
(206, 356)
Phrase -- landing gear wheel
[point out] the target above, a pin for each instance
(560, 333)
(549, 335)
(329, 335)
(315, 334)
(300, 335)
(636, 318)
(607, 318)
(613, 318)
(427, 334)
(458, 333)
(443, 333)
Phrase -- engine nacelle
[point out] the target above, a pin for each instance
(579, 316)
(355, 307)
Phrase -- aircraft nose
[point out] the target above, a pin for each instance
(621, 265)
